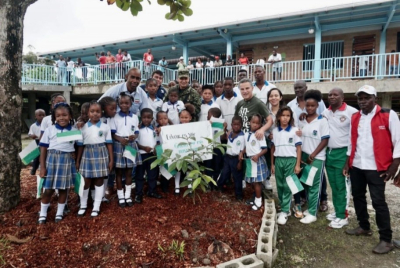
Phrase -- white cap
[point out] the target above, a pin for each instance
(370, 90)
(181, 58)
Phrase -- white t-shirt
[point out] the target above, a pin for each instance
(70, 65)
(339, 125)
(49, 139)
(298, 111)
(313, 133)
(285, 141)
(95, 134)
(147, 137)
(156, 106)
(253, 145)
(124, 125)
(35, 130)
(275, 58)
(204, 109)
(235, 145)
(127, 57)
(363, 62)
(227, 108)
(263, 93)
(61, 63)
(46, 123)
(173, 110)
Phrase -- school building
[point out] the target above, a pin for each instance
(343, 46)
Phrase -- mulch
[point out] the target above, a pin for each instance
(129, 237)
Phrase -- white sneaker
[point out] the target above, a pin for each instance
(243, 184)
(331, 217)
(283, 217)
(267, 185)
(338, 223)
(306, 213)
(133, 185)
(308, 219)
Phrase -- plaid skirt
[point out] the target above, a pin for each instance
(94, 163)
(120, 161)
(61, 170)
(262, 171)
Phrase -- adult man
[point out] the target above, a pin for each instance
(158, 75)
(83, 67)
(70, 69)
(261, 86)
(119, 57)
(148, 59)
(228, 101)
(61, 65)
(131, 86)
(162, 64)
(125, 63)
(242, 74)
(187, 94)
(374, 157)
(276, 60)
(209, 71)
(229, 62)
(363, 64)
(393, 61)
(338, 115)
(110, 60)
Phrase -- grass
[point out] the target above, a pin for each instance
(4, 245)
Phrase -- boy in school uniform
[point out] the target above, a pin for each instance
(207, 102)
(34, 133)
(227, 101)
(147, 141)
(155, 103)
(232, 165)
(173, 106)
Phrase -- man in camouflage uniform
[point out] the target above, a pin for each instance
(187, 94)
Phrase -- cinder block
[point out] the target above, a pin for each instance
(269, 210)
(249, 261)
(265, 242)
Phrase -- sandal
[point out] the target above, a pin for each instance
(81, 212)
(59, 218)
(105, 200)
(42, 220)
(95, 213)
(121, 202)
(255, 207)
(129, 202)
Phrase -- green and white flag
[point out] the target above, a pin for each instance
(79, 184)
(294, 184)
(29, 153)
(66, 136)
(39, 186)
(130, 153)
(308, 175)
(164, 169)
(217, 123)
(251, 168)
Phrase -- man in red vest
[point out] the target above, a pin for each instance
(373, 159)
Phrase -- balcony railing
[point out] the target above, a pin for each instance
(376, 66)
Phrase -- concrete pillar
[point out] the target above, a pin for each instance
(317, 53)
(229, 47)
(185, 54)
(387, 100)
(67, 96)
(382, 58)
(31, 105)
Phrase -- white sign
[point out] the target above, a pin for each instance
(173, 136)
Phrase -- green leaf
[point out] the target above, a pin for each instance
(186, 3)
(206, 178)
(184, 167)
(193, 173)
(172, 167)
(208, 139)
(181, 18)
(136, 7)
(161, 2)
(187, 11)
(188, 191)
(218, 134)
(184, 183)
(179, 165)
(124, 5)
(203, 188)
(194, 164)
(196, 183)
(213, 181)
(167, 16)
(168, 2)
(155, 164)
(221, 149)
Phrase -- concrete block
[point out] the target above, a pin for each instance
(265, 241)
(249, 261)
(269, 210)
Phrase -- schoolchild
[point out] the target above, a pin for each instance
(155, 103)
(34, 133)
(46, 122)
(207, 102)
(173, 106)
(162, 120)
(218, 90)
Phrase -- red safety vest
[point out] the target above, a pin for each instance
(383, 147)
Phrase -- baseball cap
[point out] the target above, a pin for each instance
(370, 90)
(183, 73)
(181, 58)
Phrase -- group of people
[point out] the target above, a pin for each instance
(263, 136)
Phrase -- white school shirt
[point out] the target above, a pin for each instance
(95, 134)
(263, 93)
(293, 104)
(285, 141)
(339, 125)
(235, 145)
(173, 110)
(124, 125)
(147, 137)
(156, 106)
(35, 130)
(227, 108)
(46, 123)
(49, 139)
(253, 145)
(364, 157)
(204, 109)
(312, 134)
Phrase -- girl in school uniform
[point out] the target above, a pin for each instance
(58, 165)
(285, 158)
(95, 151)
(255, 150)
(315, 136)
(124, 130)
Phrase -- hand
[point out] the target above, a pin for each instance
(255, 158)
(302, 116)
(73, 156)
(297, 170)
(391, 172)
(346, 170)
(239, 165)
(132, 137)
(272, 169)
(43, 172)
(77, 166)
(310, 159)
(299, 132)
(271, 136)
(34, 137)
(110, 165)
(240, 156)
(259, 134)
(147, 149)
(158, 130)
(123, 141)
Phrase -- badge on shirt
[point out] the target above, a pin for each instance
(238, 143)
(253, 143)
(137, 101)
(342, 118)
(290, 140)
(100, 133)
(132, 128)
(315, 132)
(154, 134)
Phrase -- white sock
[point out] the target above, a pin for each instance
(128, 189)
(60, 209)
(93, 193)
(43, 209)
(98, 197)
(84, 198)
(258, 201)
(120, 194)
(177, 179)
(105, 186)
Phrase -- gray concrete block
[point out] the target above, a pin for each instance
(265, 241)
(269, 210)
(249, 261)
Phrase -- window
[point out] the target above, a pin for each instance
(328, 50)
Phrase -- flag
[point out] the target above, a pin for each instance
(251, 168)
(130, 153)
(79, 184)
(348, 191)
(308, 175)
(39, 185)
(294, 184)
(29, 153)
(164, 169)
(217, 123)
(73, 135)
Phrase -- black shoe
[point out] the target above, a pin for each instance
(154, 195)
(250, 202)
(121, 202)
(66, 210)
(129, 202)
(59, 218)
(139, 199)
(42, 220)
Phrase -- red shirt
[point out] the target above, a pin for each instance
(103, 60)
(148, 58)
(119, 57)
(243, 61)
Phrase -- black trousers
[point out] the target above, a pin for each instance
(360, 179)
(152, 175)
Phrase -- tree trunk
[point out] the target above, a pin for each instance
(12, 13)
